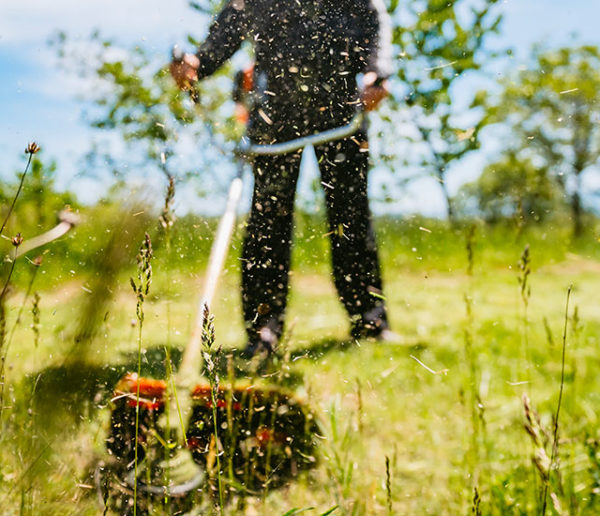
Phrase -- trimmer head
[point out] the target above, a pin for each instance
(265, 436)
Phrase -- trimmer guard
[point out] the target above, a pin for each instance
(265, 436)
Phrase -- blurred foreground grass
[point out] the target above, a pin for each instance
(445, 407)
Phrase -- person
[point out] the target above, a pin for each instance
(308, 55)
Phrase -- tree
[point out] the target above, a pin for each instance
(552, 111)
(39, 202)
(134, 96)
(512, 188)
(442, 41)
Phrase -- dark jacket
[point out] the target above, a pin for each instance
(307, 55)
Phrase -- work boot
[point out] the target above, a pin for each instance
(388, 336)
(376, 329)
(264, 345)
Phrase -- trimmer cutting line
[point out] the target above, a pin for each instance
(265, 426)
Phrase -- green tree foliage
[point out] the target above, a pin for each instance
(440, 41)
(552, 110)
(512, 188)
(135, 97)
(39, 202)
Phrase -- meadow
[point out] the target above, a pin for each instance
(459, 418)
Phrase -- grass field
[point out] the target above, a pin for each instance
(444, 409)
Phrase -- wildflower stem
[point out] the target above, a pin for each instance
(141, 290)
(7, 282)
(18, 320)
(16, 242)
(560, 396)
(388, 486)
(137, 418)
(12, 206)
(216, 434)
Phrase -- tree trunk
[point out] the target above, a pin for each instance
(449, 203)
(576, 210)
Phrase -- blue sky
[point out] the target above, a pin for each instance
(38, 101)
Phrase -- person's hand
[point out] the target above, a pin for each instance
(373, 91)
(185, 71)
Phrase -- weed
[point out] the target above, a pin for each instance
(35, 311)
(540, 439)
(166, 221)
(35, 315)
(339, 464)
(525, 290)
(31, 149)
(16, 242)
(415, 413)
(388, 486)
(554, 456)
(211, 356)
(476, 505)
(476, 407)
(141, 290)
(359, 407)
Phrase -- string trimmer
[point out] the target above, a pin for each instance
(263, 435)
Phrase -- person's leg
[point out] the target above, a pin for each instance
(344, 167)
(267, 248)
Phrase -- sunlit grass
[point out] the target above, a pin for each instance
(418, 419)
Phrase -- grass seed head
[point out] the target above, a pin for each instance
(142, 287)
(35, 312)
(539, 437)
(32, 148)
(17, 240)
(525, 271)
(167, 217)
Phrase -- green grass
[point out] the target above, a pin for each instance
(420, 420)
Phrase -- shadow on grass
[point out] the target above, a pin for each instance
(229, 361)
(318, 349)
(73, 391)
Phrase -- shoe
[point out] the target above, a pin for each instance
(264, 345)
(368, 330)
(377, 331)
(388, 336)
(253, 349)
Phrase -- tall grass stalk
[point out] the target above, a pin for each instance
(476, 505)
(141, 290)
(340, 465)
(166, 221)
(554, 455)
(16, 242)
(525, 289)
(359, 406)
(31, 149)
(539, 438)
(36, 263)
(388, 486)
(35, 316)
(211, 355)
(474, 401)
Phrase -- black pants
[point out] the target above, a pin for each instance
(267, 246)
